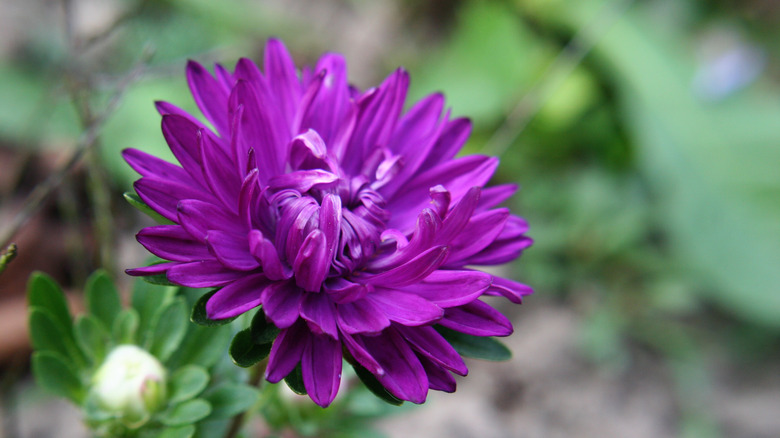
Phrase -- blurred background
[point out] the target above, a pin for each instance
(645, 136)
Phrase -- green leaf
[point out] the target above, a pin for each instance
(92, 338)
(245, 352)
(43, 292)
(263, 331)
(141, 206)
(185, 413)
(57, 376)
(186, 431)
(231, 399)
(102, 298)
(294, 380)
(48, 335)
(126, 326)
(478, 347)
(149, 301)
(202, 346)
(169, 330)
(187, 382)
(199, 315)
(374, 386)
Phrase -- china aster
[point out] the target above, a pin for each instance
(349, 220)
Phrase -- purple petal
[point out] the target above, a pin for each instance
(358, 351)
(156, 269)
(287, 351)
(163, 196)
(342, 291)
(312, 263)
(458, 217)
(210, 95)
(404, 375)
(451, 140)
(512, 290)
(237, 297)
(283, 80)
(509, 244)
(265, 252)
(404, 308)
(303, 180)
(361, 316)
(198, 217)
(439, 379)
(481, 231)
(330, 222)
(231, 250)
(328, 107)
(181, 134)
(206, 273)
(321, 368)
(478, 319)
(282, 303)
(428, 224)
(219, 170)
(451, 288)
(171, 242)
(493, 196)
(411, 271)
(320, 312)
(428, 342)
(149, 165)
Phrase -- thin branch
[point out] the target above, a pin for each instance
(558, 71)
(85, 143)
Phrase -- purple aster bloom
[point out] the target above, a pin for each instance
(350, 221)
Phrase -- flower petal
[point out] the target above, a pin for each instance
(265, 252)
(286, 351)
(451, 288)
(404, 375)
(172, 242)
(210, 95)
(321, 368)
(206, 273)
(428, 342)
(237, 297)
(361, 316)
(163, 195)
(478, 319)
(312, 263)
(282, 303)
(411, 271)
(198, 217)
(439, 379)
(320, 312)
(404, 308)
(231, 250)
(149, 165)
(280, 71)
(512, 290)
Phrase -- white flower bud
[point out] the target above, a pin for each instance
(130, 384)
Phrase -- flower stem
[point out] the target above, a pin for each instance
(255, 379)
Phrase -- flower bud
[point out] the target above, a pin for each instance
(130, 384)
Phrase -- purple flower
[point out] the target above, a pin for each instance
(348, 220)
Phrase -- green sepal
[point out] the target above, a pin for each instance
(169, 330)
(43, 292)
(294, 381)
(231, 399)
(47, 335)
(56, 375)
(477, 347)
(263, 331)
(134, 200)
(199, 315)
(245, 352)
(185, 413)
(187, 382)
(374, 386)
(126, 326)
(92, 338)
(186, 431)
(102, 298)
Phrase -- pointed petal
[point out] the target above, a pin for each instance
(512, 290)
(283, 80)
(439, 379)
(210, 95)
(149, 165)
(321, 368)
(198, 217)
(404, 375)
(411, 271)
(451, 140)
(429, 343)
(478, 319)
(156, 269)
(282, 303)
(481, 230)
(232, 250)
(219, 170)
(361, 316)
(320, 312)
(163, 195)
(451, 288)
(311, 265)
(265, 252)
(237, 297)
(404, 308)
(171, 242)
(206, 273)
(286, 351)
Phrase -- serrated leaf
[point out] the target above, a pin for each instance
(134, 200)
(231, 399)
(478, 347)
(374, 386)
(187, 382)
(244, 352)
(263, 331)
(185, 413)
(48, 335)
(92, 338)
(199, 315)
(126, 326)
(57, 376)
(294, 381)
(186, 431)
(169, 330)
(43, 292)
(149, 301)
(102, 298)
